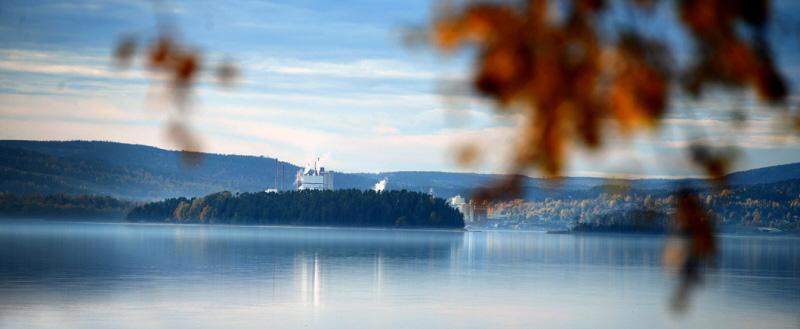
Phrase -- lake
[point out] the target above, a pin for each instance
(86, 275)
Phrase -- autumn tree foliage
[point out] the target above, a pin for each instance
(568, 79)
(550, 62)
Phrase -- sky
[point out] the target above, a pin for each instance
(329, 79)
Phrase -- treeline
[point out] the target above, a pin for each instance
(774, 205)
(625, 221)
(62, 206)
(356, 208)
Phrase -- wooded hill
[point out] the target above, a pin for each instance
(355, 208)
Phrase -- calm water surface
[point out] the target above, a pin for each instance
(80, 275)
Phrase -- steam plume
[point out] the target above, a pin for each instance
(307, 169)
(298, 178)
(380, 185)
(315, 164)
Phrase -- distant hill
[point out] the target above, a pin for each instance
(140, 172)
(128, 171)
(766, 175)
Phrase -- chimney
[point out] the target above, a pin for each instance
(277, 163)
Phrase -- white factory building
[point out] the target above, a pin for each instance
(473, 212)
(315, 178)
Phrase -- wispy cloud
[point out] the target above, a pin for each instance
(369, 150)
(777, 141)
(79, 70)
(361, 68)
(72, 108)
(15, 61)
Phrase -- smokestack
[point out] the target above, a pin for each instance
(277, 163)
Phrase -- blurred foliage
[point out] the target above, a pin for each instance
(181, 65)
(696, 226)
(567, 78)
(549, 62)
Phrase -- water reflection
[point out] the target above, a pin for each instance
(307, 279)
(98, 275)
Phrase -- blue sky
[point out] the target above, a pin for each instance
(319, 78)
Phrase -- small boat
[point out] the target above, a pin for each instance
(765, 229)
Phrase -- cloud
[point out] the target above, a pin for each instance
(744, 142)
(71, 130)
(709, 123)
(15, 61)
(71, 108)
(42, 68)
(363, 151)
(361, 68)
(367, 100)
(382, 129)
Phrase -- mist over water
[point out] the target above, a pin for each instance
(81, 275)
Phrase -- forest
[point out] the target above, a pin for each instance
(63, 206)
(352, 208)
(773, 205)
(625, 221)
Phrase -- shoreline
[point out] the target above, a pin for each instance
(144, 223)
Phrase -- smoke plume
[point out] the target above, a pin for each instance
(380, 185)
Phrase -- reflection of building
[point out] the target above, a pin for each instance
(479, 212)
(315, 179)
(473, 212)
(308, 279)
(377, 283)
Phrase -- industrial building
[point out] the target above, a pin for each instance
(315, 178)
(474, 213)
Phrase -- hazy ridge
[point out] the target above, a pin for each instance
(139, 172)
